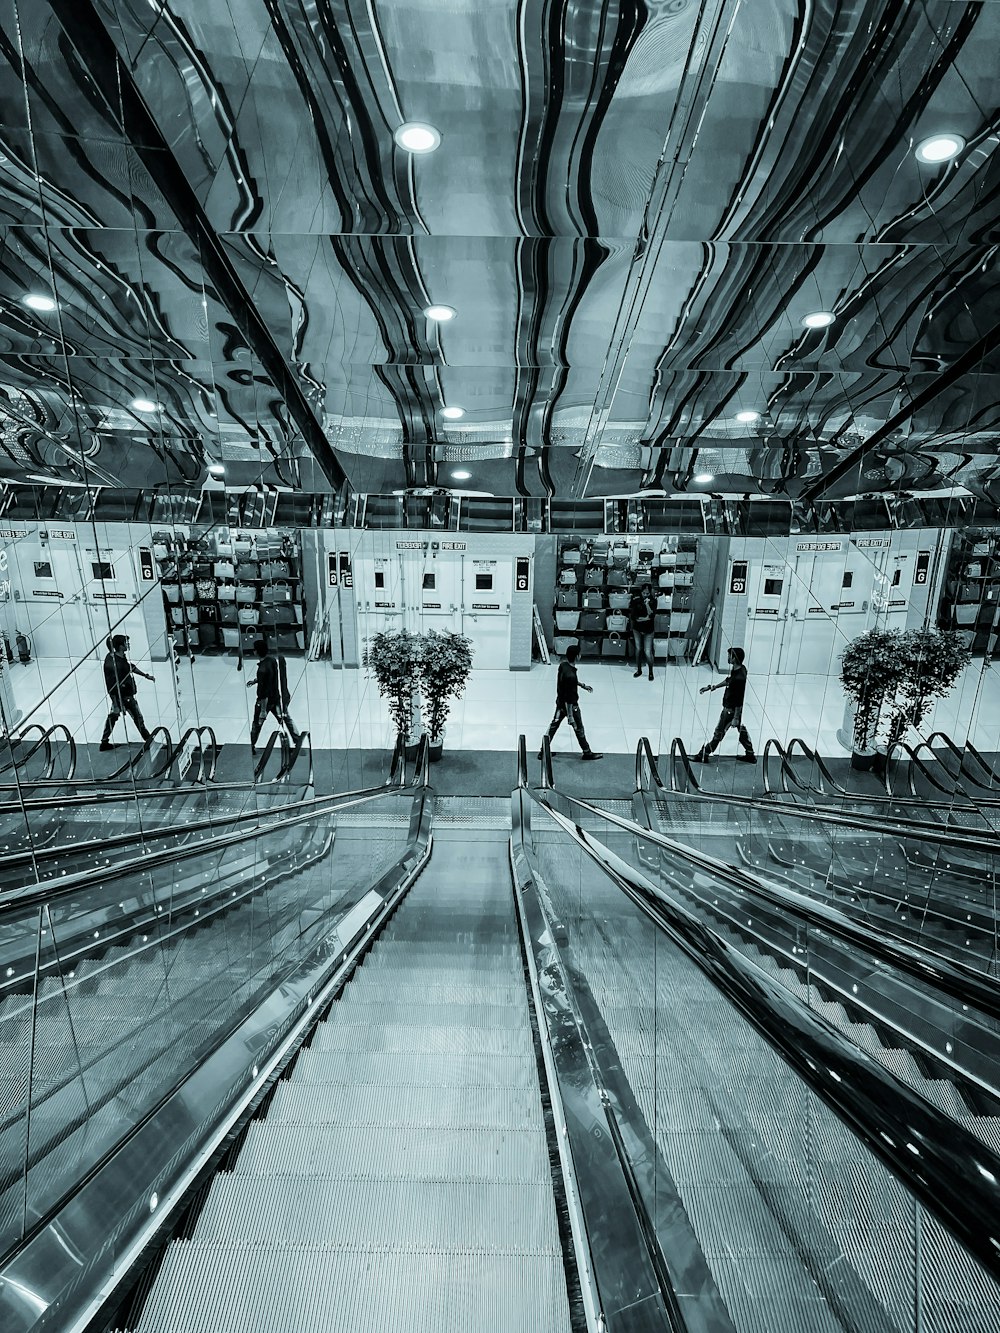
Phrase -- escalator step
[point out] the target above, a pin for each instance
(383, 987)
(224, 1289)
(448, 1038)
(497, 1108)
(418, 1068)
(494, 1217)
(396, 1153)
(352, 1009)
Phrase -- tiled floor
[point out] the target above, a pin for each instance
(342, 709)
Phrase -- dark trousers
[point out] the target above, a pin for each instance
(571, 712)
(730, 717)
(119, 706)
(643, 640)
(278, 711)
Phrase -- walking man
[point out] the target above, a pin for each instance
(735, 685)
(119, 682)
(273, 695)
(641, 614)
(568, 686)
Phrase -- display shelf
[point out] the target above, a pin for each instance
(971, 597)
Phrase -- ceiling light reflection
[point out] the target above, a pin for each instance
(703, 478)
(460, 474)
(35, 301)
(439, 313)
(216, 469)
(416, 136)
(819, 319)
(748, 415)
(145, 405)
(453, 413)
(939, 148)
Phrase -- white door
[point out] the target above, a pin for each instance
(767, 607)
(810, 636)
(433, 592)
(379, 592)
(486, 611)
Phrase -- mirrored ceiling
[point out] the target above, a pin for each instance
(734, 248)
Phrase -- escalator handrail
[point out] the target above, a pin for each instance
(265, 822)
(522, 762)
(199, 733)
(50, 735)
(955, 978)
(292, 757)
(961, 753)
(958, 1179)
(397, 765)
(130, 763)
(679, 755)
(916, 761)
(546, 752)
(646, 770)
(785, 754)
(981, 841)
(275, 738)
(994, 776)
(19, 739)
(422, 764)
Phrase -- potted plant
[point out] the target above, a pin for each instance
(871, 671)
(445, 663)
(892, 677)
(393, 658)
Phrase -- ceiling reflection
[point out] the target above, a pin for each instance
(681, 239)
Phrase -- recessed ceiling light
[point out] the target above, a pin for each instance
(439, 313)
(453, 413)
(216, 469)
(939, 148)
(704, 477)
(145, 405)
(34, 301)
(748, 415)
(460, 474)
(819, 319)
(416, 136)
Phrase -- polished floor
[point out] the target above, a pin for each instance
(342, 708)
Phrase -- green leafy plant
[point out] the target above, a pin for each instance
(393, 657)
(892, 676)
(445, 663)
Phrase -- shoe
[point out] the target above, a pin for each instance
(539, 755)
(747, 758)
(651, 675)
(106, 745)
(253, 752)
(637, 673)
(591, 754)
(702, 757)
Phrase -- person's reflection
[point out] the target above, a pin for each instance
(119, 681)
(273, 694)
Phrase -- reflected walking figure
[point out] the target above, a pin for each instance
(568, 686)
(641, 614)
(119, 681)
(735, 686)
(273, 695)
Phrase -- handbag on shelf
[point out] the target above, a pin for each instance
(171, 591)
(208, 612)
(966, 613)
(594, 621)
(227, 592)
(567, 577)
(668, 559)
(593, 599)
(276, 592)
(560, 644)
(230, 637)
(666, 580)
(245, 593)
(661, 647)
(664, 601)
(224, 569)
(275, 569)
(193, 637)
(249, 615)
(682, 599)
(191, 614)
(618, 578)
(662, 623)
(680, 622)
(207, 590)
(969, 592)
(973, 570)
(600, 552)
(248, 569)
(677, 646)
(176, 616)
(646, 555)
(618, 601)
(683, 578)
(229, 613)
(570, 555)
(594, 576)
(567, 620)
(617, 622)
(590, 644)
(614, 646)
(567, 597)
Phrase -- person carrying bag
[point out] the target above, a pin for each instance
(642, 615)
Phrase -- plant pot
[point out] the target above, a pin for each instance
(410, 751)
(863, 760)
(434, 751)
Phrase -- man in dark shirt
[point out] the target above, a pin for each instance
(641, 613)
(120, 685)
(735, 686)
(273, 695)
(568, 686)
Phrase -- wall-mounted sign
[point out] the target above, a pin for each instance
(521, 574)
(863, 542)
(62, 534)
(346, 576)
(13, 532)
(146, 571)
(45, 592)
(454, 546)
(486, 606)
(819, 546)
(765, 610)
(817, 611)
(900, 602)
(841, 606)
(331, 569)
(411, 546)
(432, 606)
(923, 565)
(381, 606)
(738, 578)
(109, 596)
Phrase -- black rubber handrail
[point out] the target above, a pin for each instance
(196, 734)
(302, 741)
(946, 1167)
(545, 749)
(984, 840)
(263, 759)
(962, 754)
(679, 757)
(913, 755)
(15, 761)
(522, 762)
(788, 772)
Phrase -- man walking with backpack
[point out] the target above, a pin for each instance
(273, 695)
(119, 682)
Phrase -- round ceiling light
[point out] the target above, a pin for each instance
(819, 319)
(460, 474)
(145, 405)
(35, 301)
(216, 469)
(452, 413)
(439, 313)
(748, 415)
(939, 148)
(416, 136)
(703, 478)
